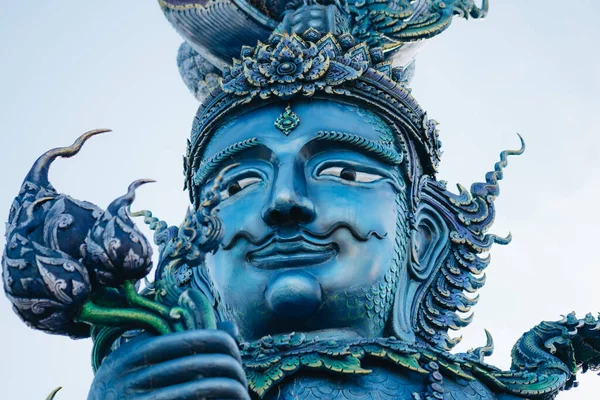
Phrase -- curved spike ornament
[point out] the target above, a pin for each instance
(38, 174)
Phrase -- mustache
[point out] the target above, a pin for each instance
(305, 233)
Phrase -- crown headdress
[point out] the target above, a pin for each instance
(357, 51)
(315, 65)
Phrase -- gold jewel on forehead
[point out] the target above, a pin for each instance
(287, 121)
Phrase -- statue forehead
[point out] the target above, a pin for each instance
(315, 115)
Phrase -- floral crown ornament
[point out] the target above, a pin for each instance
(288, 65)
(323, 66)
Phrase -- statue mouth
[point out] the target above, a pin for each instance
(293, 252)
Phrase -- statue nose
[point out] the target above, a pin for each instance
(289, 208)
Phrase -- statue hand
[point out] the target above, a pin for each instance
(195, 364)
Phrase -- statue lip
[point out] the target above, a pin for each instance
(291, 252)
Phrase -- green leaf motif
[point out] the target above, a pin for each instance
(261, 382)
(407, 361)
(345, 365)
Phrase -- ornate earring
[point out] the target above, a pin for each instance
(287, 121)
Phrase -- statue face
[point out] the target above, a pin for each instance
(310, 221)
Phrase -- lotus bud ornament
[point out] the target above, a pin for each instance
(70, 268)
(114, 248)
(47, 287)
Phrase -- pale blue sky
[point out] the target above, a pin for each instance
(529, 67)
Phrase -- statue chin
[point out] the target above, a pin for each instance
(293, 294)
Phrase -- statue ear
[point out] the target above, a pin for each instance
(429, 240)
(428, 247)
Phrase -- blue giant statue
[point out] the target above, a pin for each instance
(320, 259)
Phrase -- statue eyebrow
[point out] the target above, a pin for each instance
(209, 166)
(383, 150)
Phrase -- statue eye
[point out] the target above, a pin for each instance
(233, 188)
(350, 174)
(237, 185)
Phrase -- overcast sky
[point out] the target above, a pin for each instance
(529, 67)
